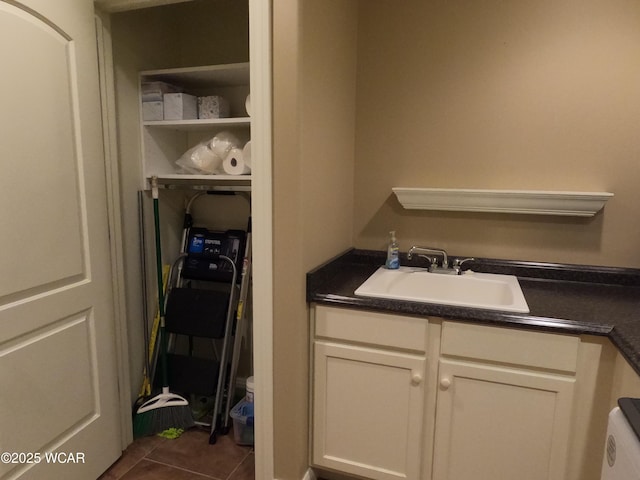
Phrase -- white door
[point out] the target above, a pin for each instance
(495, 423)
(58, 384)
(367, 411)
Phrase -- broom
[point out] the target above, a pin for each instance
(165, 410)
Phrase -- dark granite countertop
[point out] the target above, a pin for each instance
(562, 298)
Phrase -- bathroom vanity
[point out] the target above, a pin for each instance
(426, 391)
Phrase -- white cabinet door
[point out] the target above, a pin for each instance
(368, 411)
(495, 423)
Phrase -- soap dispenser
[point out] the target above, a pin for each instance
(393, 252)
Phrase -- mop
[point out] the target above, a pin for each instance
(166, 410)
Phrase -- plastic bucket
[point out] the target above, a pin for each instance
(249, 394)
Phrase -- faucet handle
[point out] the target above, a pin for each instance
(431, 260)
(457, 263)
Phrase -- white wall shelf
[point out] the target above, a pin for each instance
(535, 202)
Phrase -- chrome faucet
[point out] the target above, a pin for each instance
(433, 251)
(456, 268)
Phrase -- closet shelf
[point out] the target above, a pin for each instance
(165, 141)
(223, 75)
(535, 202)
(196, 125)
(222, 183)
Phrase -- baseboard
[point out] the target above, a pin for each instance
(322, 474)
(309, 475)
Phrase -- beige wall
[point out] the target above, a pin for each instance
(540, 95)
(314, 121)
(328, 121)
(289, 333)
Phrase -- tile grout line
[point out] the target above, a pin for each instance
(143, 457)
(203, 475)
(250, 452)
(126, 471)
(153, 447)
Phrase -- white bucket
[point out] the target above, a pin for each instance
(249, 395)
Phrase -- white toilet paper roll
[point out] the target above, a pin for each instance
(246, 153)
(234, 164)
(247, 104)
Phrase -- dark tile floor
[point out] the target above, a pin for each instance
(189, 457)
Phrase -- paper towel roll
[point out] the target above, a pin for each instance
(234, 164)
(246, 154)
(247, 104)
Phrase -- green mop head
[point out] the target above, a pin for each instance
(164, 411)
(171, 433)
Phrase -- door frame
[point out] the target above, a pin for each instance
(114, 207)
(260, 53)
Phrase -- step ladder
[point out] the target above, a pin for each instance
(208, 284)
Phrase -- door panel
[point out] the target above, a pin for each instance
(368, 411)
(57, 352)
(494, 423)
(41, 195)
(63, 385)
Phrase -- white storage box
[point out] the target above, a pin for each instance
(213, 106)
(180, 106)
(152, 111)
(153, 91)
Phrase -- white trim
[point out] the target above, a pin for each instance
(262, 201)
(107, 94)
(113, 6)
(537, 202)
(309, 475)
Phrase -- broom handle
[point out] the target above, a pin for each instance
(163, 336)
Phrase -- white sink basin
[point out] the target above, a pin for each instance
(475, 290)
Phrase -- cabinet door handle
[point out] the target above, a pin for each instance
(416, 378)
(445, 383)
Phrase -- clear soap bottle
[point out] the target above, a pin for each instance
(393, 252)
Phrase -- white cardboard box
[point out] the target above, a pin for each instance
(180, 106)
(153, 91)
(152, 111)
(213, 106)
